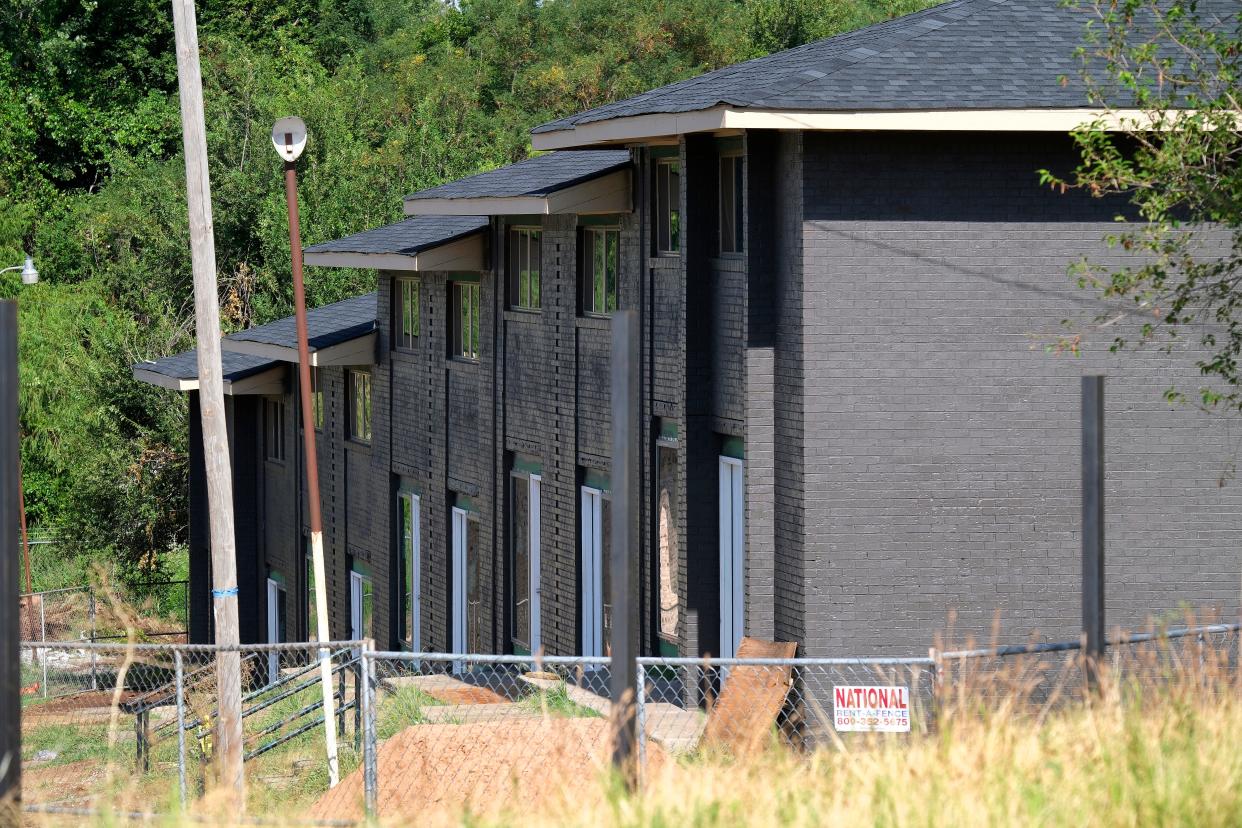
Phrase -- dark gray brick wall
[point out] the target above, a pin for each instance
(941, 462)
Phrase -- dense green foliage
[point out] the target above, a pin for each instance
(1178, 63)
(398, 95)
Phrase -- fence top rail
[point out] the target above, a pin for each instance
(486, 658)
(55, 591)
(1062, 646)
(880, 661)
(193, 648)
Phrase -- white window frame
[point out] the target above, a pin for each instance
(410, 549)
(273, 629)
(732, 533)
(460, 531)
(592, 513)
(356, 583)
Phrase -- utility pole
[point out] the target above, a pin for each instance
(289, 139)
(1093, 526)
(10, 663)
(216, 458)
(625, 441)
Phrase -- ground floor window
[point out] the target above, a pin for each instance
(596, 529)
(361, 604)
(668, 542)
(467, 601)
(276, 630)
(409, 566)
(732, 555)
(312, 618)
(524, 559)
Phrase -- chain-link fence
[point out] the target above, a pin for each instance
(154, 610)
(135, 723)
(107, 724)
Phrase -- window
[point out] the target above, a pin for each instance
(276, 632)
(409, 563)
(274, 429)
(668, 543)
(596, 524)
(732, 227)
(732, 555)
(360, 405)
(464, 323)
(406, 309)
(601, 264)
(668, 205)
(524, 561)
(361, 606)
(467, 603)
(525, 259)
(316, 398)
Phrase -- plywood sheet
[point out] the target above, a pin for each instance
(751, 697)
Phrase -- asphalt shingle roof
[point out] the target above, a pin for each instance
(536, 176)
(408, 238)
(964, 54)
(326, 326)
(184, 366)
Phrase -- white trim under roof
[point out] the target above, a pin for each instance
(607, 194)
(270, 381)
(618, 131)
(462, 254)
(357, 351)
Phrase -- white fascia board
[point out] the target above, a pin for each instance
(173, 383)
(357, 351)
(270, 381)
(462, 254)
(648, 128)
(605, 194)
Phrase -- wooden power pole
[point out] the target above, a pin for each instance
(211, 400)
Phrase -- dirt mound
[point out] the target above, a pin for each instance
(483, 766)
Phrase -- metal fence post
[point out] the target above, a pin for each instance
(94, 658)
(181, 770)
(640, 692)
(43, 639)
(1093, 527)
(366, 702)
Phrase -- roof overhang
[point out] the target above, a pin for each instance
(463, 254)
(658, 127)
(357, 351)
(270, 381)
(609, 193)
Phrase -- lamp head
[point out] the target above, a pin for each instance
(30, 276)
(289, 137)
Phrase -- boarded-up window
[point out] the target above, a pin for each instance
(669, 546)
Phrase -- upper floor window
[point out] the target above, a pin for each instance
(316, 398)
(274, 429)
(360, 405)
(667, 205)
(406, 307)
(525, 260)
(600, 269)
(464, 319)
(732, 226)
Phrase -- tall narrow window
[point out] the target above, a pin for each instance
(596, 528)
(274, 429)
(667, 205)
(361, 606)
(312, 617)
(360, 405)
(732, 226)
(410, 567)
(406, 306)
(467, 599)
(524, 560)
(464, 323)
(600, 269)
(668, 543)
(525, 265)
(316, 398)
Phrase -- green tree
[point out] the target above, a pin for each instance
(1167, 73)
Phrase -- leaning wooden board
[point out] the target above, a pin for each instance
(744, 715)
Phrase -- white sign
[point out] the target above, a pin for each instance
(884, 709)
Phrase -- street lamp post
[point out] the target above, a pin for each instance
(289, 139)
(30, 276)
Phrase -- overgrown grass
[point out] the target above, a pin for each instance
(556, 701)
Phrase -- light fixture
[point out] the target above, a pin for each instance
(289, 137)
(30, 276)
